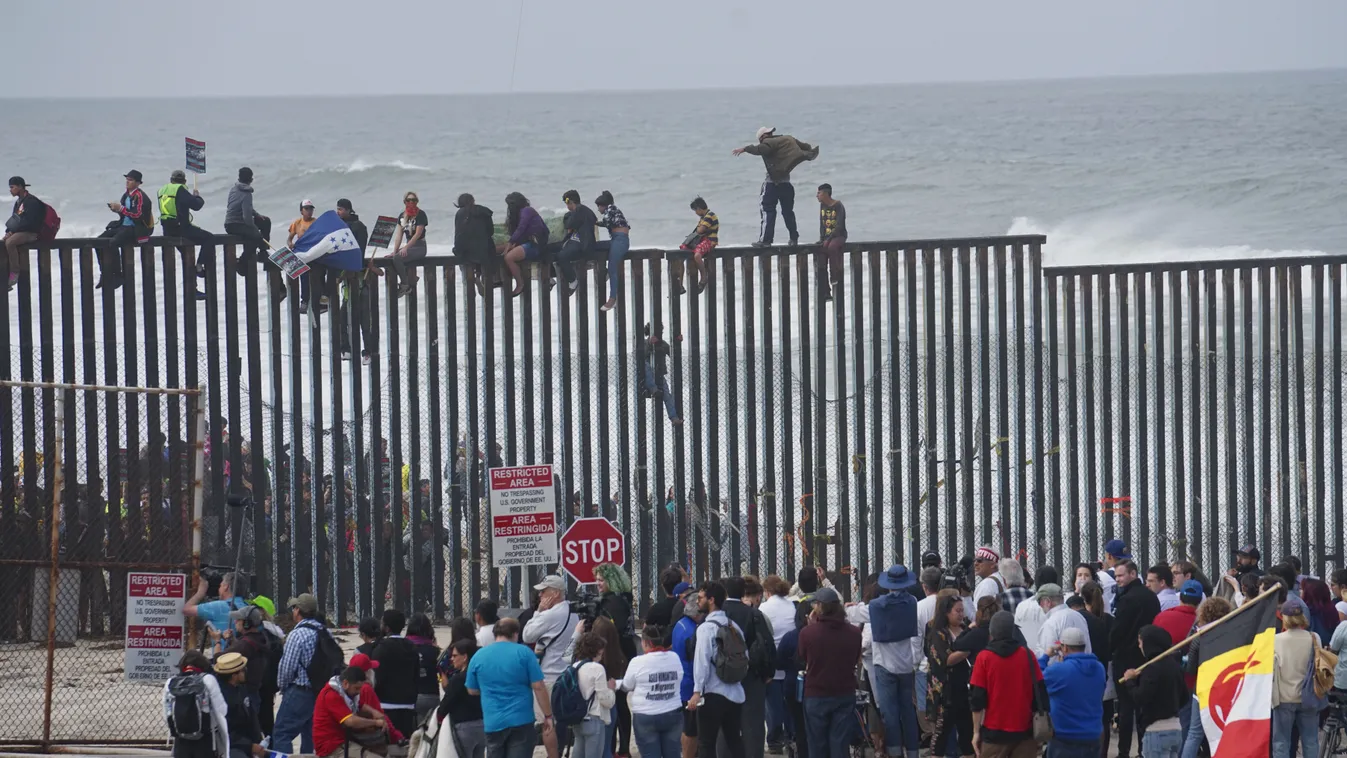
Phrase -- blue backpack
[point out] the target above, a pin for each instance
(569, 707)
(893, 617)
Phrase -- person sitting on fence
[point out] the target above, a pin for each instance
(653, 354)
(619, 243)
(176, 204)
(528, 237)
(579, 242)
(832, 238)
(700, 243)
(411, 229)
(474, 243)
(23, 227)
(134, 224)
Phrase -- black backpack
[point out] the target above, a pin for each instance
(273, 651)
(327, 659)
(762, 653)
(188, 720)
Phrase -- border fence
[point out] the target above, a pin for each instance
(954, 393)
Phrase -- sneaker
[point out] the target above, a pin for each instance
(761, 244)
(345, 354)
(322, 305)
(13, 281)
(364, 358)
(200, 295)
(573, 285)
(679, 289)
(303, 306)
(608, 306)
(794, 241)
(701, 286)
(201, 271)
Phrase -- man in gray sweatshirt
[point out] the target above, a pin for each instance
(250, 226)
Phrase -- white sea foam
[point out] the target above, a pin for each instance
(1116, 240)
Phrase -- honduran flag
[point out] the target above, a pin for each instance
(1234, 681)
(330, 239)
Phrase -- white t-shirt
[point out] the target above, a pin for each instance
(925, 612)
(653, 680)
(1342, 607)
(485, 636)
(1058, 620)
(1029, 618)
(989, 587)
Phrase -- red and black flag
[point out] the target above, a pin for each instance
(1234, 681)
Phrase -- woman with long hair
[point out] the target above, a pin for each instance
(463, 709)
(1294, 650)
(619, 243)
(1323, 616)
(528, 237)
(651, 683)
(947, 710)
(422, 636)
(615, 665)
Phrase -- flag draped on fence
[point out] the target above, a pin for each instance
(1234, 682)
(330, 239)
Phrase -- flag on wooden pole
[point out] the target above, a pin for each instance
(1234, 681)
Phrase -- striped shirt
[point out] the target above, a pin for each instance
(709, 227)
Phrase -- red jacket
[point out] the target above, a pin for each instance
(1178, 621)
(330, 710)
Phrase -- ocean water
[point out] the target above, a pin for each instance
(1134, 168)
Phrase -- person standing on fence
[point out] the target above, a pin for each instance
(780, 154)
(134, 223)
(295, 716)
(357, 292)
(195, 710)
(215, 614)
(23, 227)
(176, 204)
(832, 238)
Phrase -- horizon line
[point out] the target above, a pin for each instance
(679, 89)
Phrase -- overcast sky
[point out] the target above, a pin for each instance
(81, 48)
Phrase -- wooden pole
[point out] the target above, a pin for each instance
(1184, 644)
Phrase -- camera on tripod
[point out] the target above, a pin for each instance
(587, 606)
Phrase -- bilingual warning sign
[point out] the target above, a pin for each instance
(154, 625)
(523, 516)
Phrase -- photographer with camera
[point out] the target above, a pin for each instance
(215, 613)
(551, 631)
(614, 602)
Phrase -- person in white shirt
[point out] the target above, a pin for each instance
(990, 582)
(896, 662)
(1058, 616)
(780, 613)
(1160, 580)
(653, 680)
(486, 615)
(551, 628)
(596, 688)
(718, 704)
(931, 579)
(1029, 616)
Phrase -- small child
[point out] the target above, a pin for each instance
(702, 240)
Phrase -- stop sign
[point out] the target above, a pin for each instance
(589, 542)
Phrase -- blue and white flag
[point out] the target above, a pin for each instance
(331, 240)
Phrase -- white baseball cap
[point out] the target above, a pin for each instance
(551, 582)
(763, 131)
(307, 203)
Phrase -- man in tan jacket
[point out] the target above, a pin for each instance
(781, 154)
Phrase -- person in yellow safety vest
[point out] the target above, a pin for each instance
(176, 204)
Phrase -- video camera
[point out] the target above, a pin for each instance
(587, 606)
(958, 576)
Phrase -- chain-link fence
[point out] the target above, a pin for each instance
(105, 484)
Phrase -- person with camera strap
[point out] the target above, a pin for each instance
(551, 632)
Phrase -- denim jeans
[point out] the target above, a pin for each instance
(1059, 748)
(1286, 717)
(1193, 733)
(1164, 744)
(515, 742)
(661, 384)
(896, 697)
(780, 729)
(294, 719)
(590, 737)
(658, 735)
(921, 691)
(828, 721)
(570, 252)
(617, 251)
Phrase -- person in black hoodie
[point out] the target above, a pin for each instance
(399, 671)
(23, 227)
(245, 736)
(579, 242)
(421, 635)
(357, 292)
(474, 233)
(1158, 691)
(252, 643)
(1135, 607)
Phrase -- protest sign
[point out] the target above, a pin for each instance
(290, 263)
(382, 234)
(196, 156)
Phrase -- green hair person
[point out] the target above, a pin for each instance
(614, 578)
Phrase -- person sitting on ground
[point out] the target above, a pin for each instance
(196, 734)
(245, 736)
(412, 225)
(619, 232)
(463, 710)
(23, 227)
(528, 237)
(579, 223)
(348, 720)
(700, 243)
(134, 224)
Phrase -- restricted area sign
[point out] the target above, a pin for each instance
(589, 542)
(154, 625)
(523, 516)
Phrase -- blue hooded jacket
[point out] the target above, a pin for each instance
(1076, 695)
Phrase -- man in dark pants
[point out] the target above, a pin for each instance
(357, 291)
(176, 204)
(781, 154)
(135, 220)
(252, 227)
(718, 704)
(1137, 606)
(832, 239)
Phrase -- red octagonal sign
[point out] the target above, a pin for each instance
(589, 542)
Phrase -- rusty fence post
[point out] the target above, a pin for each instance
(53, 578)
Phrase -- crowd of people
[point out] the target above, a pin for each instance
(959, 660)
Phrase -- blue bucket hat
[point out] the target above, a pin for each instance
(897, 578)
